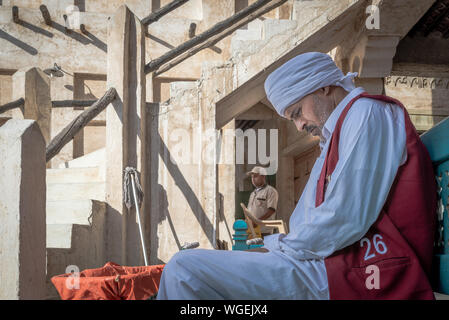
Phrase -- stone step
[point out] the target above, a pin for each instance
(74, 211)
(93, 159)
(76, 191)
(75, 175)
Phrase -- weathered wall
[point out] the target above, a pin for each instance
(423, 89)
(22, 210)
(184, 202)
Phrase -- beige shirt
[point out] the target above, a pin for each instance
(260, 200)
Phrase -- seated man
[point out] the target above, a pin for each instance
(364, 225)
(262, 202)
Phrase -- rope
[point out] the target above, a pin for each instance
(127, 192)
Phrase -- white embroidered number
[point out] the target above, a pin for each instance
(367, 255)
(379, 246)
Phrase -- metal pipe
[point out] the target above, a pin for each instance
(138, 220)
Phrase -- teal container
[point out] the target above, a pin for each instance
(240, 236)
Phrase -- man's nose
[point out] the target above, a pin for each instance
(300, 124)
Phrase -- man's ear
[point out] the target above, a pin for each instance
(326, 90)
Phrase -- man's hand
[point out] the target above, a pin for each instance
(267, 214)
(263, 250)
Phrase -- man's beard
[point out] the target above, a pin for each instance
(312, 129)
(316, 130)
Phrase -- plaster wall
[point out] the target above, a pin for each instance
(183, 148)
(22, 211)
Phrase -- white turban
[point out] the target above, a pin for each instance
(303, 75)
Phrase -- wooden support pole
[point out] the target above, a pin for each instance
(192, 30)
(163, 11)
(72, 103)
(219, 31)
(125, 131)
(67, 134)
(12, 105)
(46, 14)
(214, 37)
(15, 14)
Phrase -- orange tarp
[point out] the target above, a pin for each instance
(111, 282)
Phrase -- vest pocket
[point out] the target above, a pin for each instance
(382, 276)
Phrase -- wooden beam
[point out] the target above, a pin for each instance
(15, 14)
(258, 112)
(155, 16)
(45, 14)
(192, 30)
(83, 28)
(12, 105)
(304, 144)
(126, 133)
(216, 29)
(214, 38)
(72, 103)
(3, 120)
(67, 134)
(252, 91)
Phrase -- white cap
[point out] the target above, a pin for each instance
(259, 170)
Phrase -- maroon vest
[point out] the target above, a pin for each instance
(393, 260)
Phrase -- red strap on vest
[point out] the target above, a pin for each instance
(332, 154)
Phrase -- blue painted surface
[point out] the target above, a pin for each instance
(436, 141)
(240, 236)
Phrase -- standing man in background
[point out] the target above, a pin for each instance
(262, 201)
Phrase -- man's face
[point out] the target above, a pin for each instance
(257, 179)
(311, 112)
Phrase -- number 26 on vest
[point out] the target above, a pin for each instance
(379, 246)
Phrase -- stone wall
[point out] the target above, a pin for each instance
(423, 89)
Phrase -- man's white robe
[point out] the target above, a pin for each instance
(372, 147)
